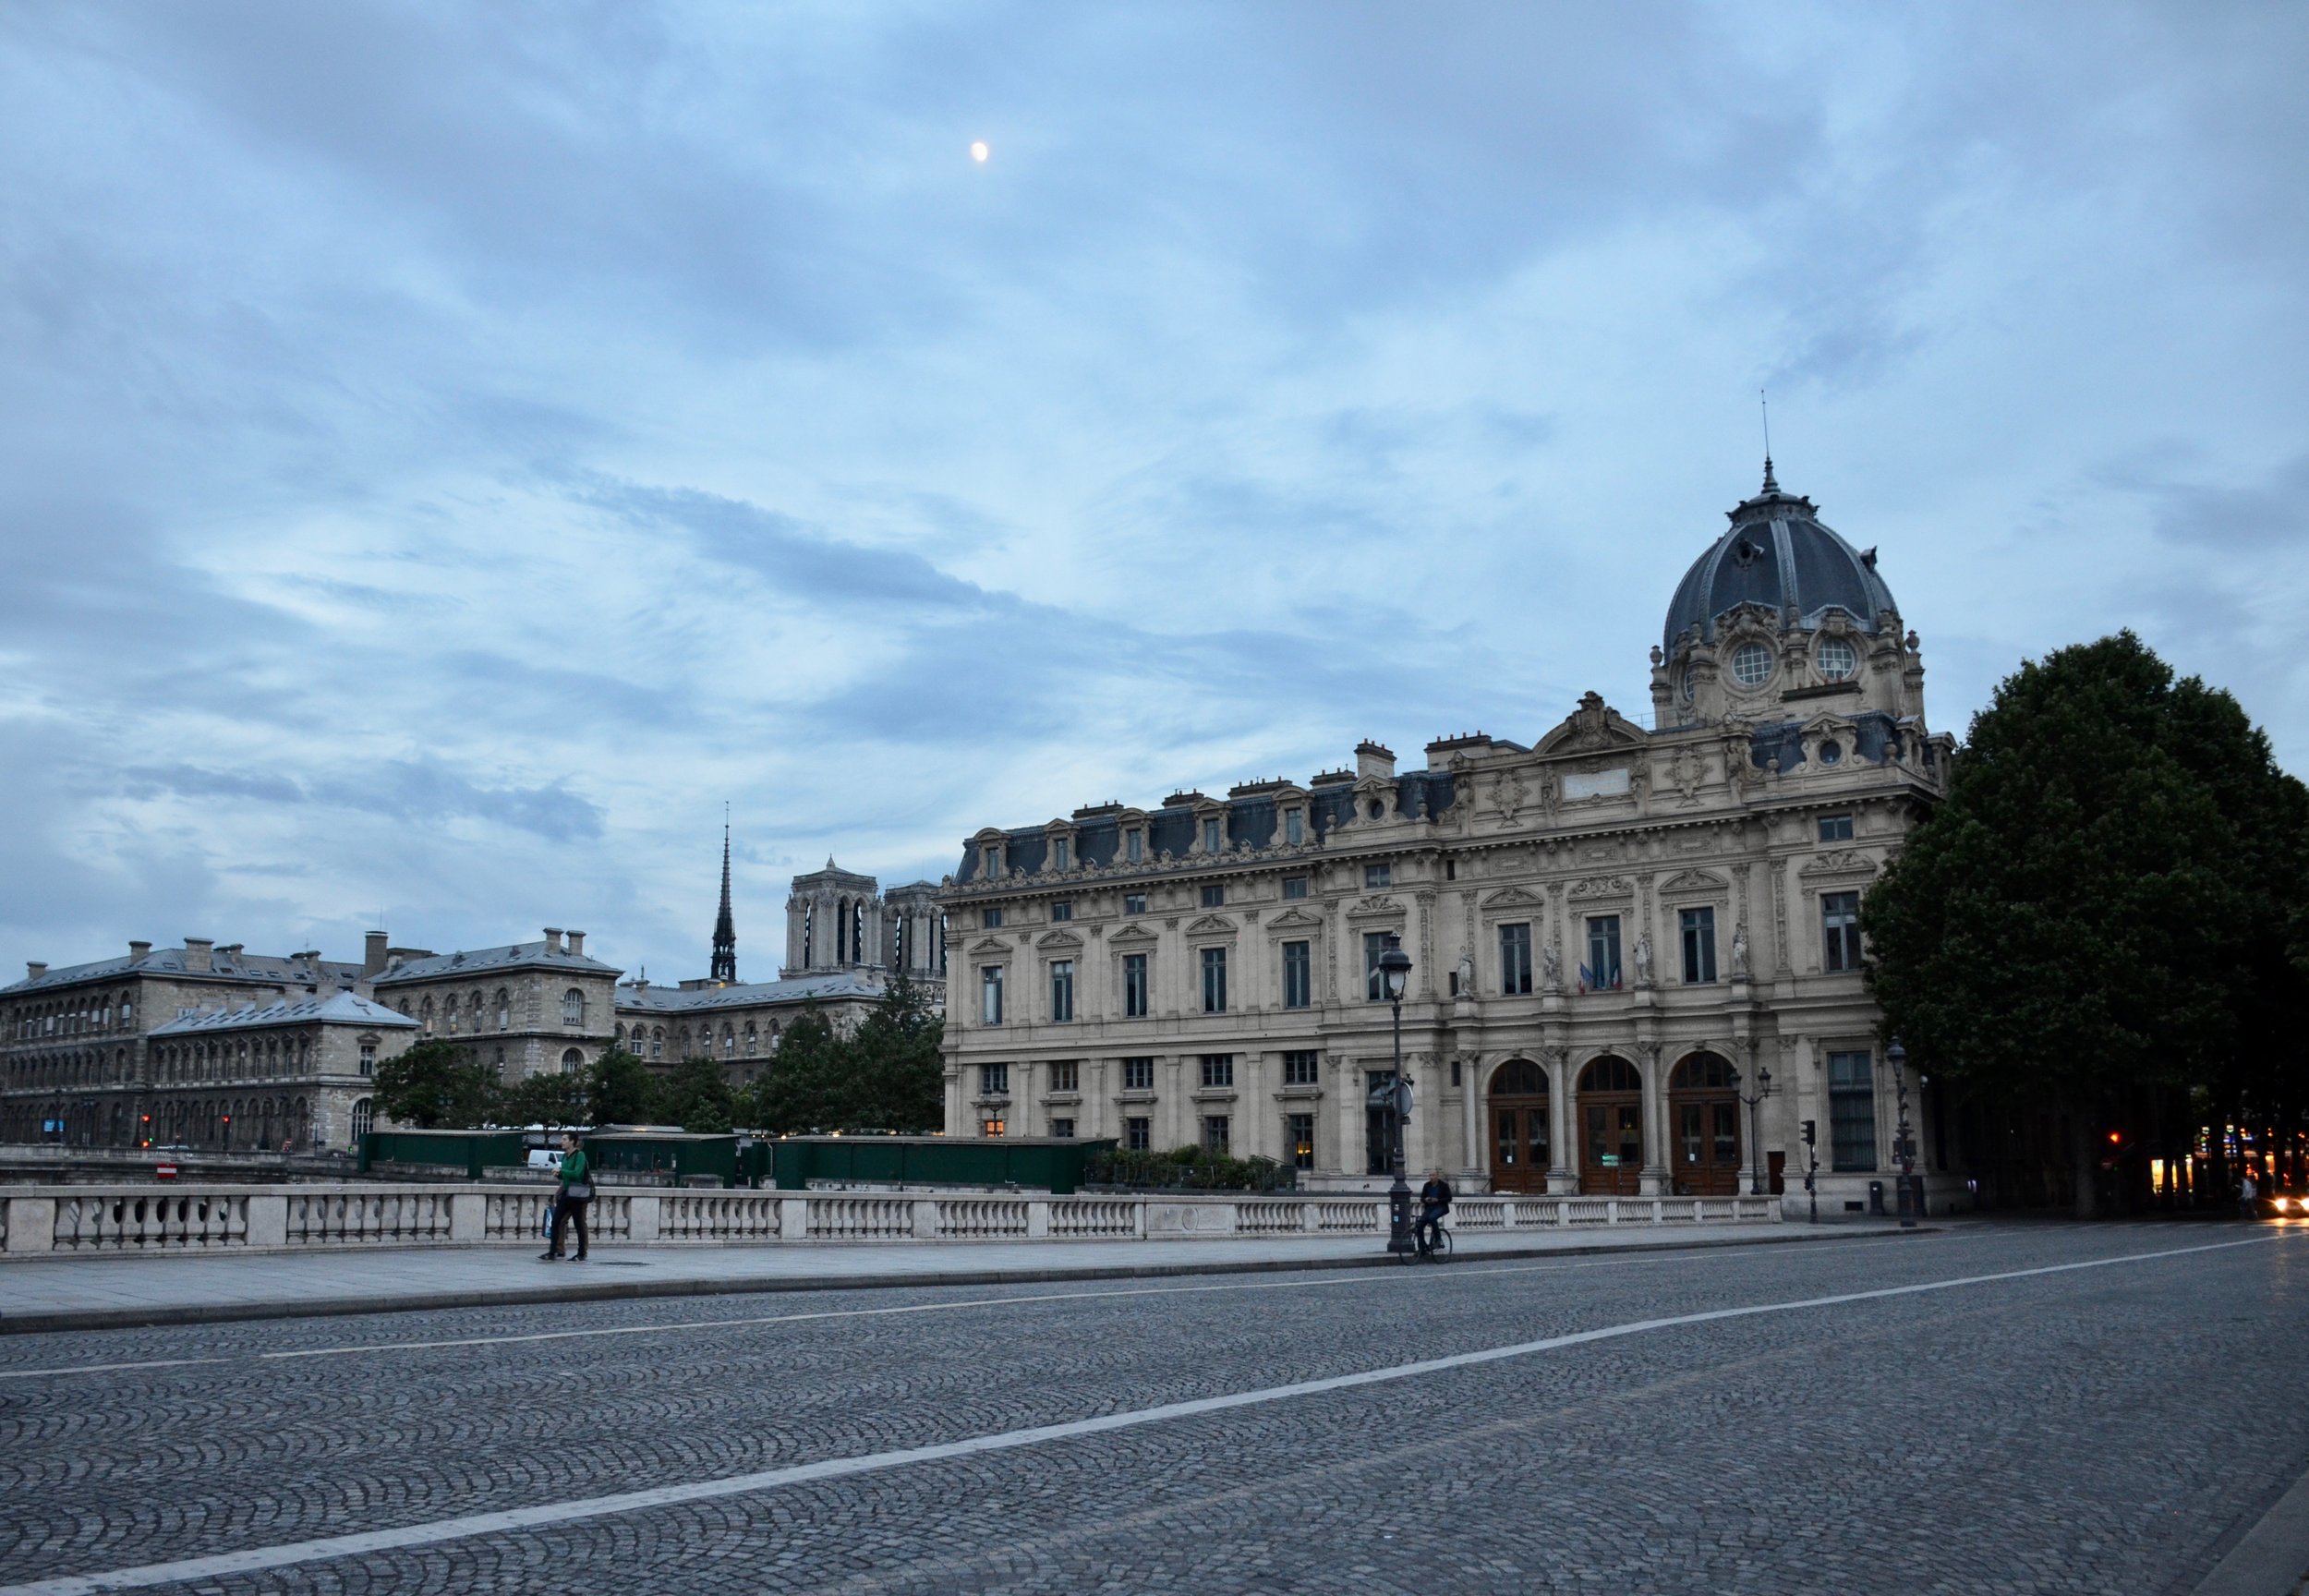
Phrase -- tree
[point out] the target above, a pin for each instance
(2097, 918)
(798, 1092)
(437, 1083)
(550, 1099)
(896, 1080)
(695, 1096)
(620, 1090)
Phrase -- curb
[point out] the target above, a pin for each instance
(629, 1290)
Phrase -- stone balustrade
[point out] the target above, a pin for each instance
(97, 1221)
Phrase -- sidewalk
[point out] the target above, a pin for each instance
(115, 1293)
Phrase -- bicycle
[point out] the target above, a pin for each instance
(1430, 1251)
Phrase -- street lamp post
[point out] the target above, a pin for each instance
(1755, 1132)
(1395, 970)
(1904, 1141)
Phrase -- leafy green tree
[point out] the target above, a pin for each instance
(2098, 919)
(550, 1099)
(896, 1078)
(798, 1092)
(436, 1083)
(695, 1096)
(620, 1090)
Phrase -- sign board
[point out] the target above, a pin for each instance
(1579, 784)
(164, 1172)
(1611, 1160)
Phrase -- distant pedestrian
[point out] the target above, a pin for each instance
(2246, 1192)
(570, 1201)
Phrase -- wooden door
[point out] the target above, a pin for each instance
(1704, 1121)
(1611, 1121)
(1517, 1113)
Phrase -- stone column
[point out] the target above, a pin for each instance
(1471, 1071)
(1563, 1112)
(1653, 1181)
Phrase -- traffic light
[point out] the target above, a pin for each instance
(2115, 1137)
(1811, 1132)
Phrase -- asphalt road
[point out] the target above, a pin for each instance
(1765, 1419)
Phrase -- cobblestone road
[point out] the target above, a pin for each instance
(2103, 1428)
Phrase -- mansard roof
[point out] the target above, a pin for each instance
(267, 968)
(1778, 555)
(542, 955)
(338, 1009)
(747, 994)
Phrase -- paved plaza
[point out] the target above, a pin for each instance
(2024, 1407)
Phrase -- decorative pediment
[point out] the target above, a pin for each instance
(1694, 882)
(1135, 935)
(1602, 887)
(990, 945)
(1211, 926)
(1377, 905)
(1295, 919)
(1058, 940)
(1840, 862)
(1594, 725)
(1512, 897)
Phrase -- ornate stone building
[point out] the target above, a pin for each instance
(1616, 931)
(845, 941)
(203, 1045)
(524, 1008)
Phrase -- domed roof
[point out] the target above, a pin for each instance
(1777, 554)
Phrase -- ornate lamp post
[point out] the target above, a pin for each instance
(1395, 970)
(1755, 1132)
(1904, 1141)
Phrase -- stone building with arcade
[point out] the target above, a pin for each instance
(1635, 947)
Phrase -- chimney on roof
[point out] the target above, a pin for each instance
(373, 953)
(231, 950)
(34, 969)
(576, 944)
(1371, 759)
(200, 954)
(552, 938)
(137, 950)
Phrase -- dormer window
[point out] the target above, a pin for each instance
(1134, 845)
(1212, 838)
(993, 864)
(1294, 826)
(1060, 851)
(1837, 659)
(1751, 665)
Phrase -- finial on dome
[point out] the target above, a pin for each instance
(1770, 486)
(1764, 405)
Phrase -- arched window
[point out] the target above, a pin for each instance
(425, 1016)
(753, 1040)
(505, 1010)
(620, 1039)
(774, 1035)
(364, 1118)
(728, 1041)
(573, 1006)
(657, 1043)
(572, 1061)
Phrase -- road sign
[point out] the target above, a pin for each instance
(164, 1171)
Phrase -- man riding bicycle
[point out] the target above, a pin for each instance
(1435, 1202)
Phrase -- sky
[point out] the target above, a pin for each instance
(447, 452)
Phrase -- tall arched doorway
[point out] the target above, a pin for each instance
(1519, 1133)
(1704, 1121)
(1611, 1128)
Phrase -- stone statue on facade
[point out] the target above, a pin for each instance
(1739, 950)
(1551, 967)
(1643, 958)
(1467, 974)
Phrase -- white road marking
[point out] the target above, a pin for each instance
(257, 1559)
(109, 1368)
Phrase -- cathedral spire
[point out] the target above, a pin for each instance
(725, 966)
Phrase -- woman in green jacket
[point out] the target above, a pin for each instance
(576, 1194)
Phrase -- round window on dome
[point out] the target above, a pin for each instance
(1831, 752)
(1751, 665)
(1837, 659)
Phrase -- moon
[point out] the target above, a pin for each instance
(978, 151)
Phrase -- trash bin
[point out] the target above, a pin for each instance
(1876, 1198)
